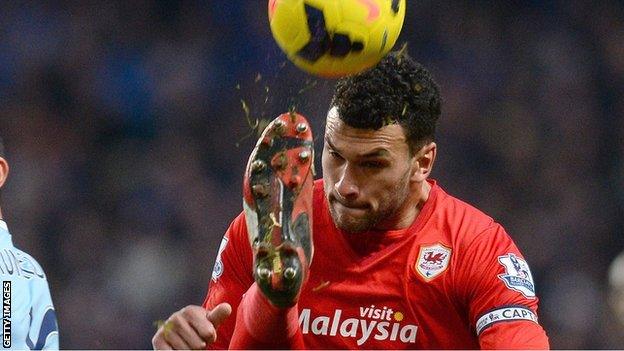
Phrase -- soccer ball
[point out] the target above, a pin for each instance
(334, 38)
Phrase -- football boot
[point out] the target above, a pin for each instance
(277, 199)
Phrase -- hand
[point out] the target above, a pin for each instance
(191, 328)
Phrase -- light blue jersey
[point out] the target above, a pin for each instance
(28, 317)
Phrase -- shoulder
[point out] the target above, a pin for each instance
(460, 217)
(25, 281)
(237, 231)
(20, 265)
(467, 226)
(318, 197)
(318, 188)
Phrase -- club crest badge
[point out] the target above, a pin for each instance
(432, 261)
(517, 275)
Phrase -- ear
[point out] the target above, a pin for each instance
(4, 171)
(423, 162)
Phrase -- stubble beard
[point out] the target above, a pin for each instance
(388, 208)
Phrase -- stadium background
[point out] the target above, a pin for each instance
(126, 138)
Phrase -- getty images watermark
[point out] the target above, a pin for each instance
(6, 313)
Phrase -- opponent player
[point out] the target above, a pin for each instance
(28, 319)
(398, 262)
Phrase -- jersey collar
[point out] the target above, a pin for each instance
(3, 225)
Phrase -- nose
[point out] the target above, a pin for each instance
(346, 187)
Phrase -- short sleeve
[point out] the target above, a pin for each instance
(231, 277)
(44, 333)
(498, 289)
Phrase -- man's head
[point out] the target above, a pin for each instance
(379, 147)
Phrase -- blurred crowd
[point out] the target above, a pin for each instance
(127, 139)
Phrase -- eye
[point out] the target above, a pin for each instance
(373, 164)
(335, 155)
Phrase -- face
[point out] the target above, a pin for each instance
(367, 175)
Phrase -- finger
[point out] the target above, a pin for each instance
(175, 341)
(198, 322)
(159, 342)
(219, 313)
(204, 328)
(191, 336)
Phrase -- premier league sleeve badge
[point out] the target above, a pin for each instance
(517, 275)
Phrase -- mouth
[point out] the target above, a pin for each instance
(354, 210)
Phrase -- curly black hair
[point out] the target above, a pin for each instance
(397, 90)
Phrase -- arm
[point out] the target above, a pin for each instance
(497, 286)
(195, 327)
(257, 323)
(231, 277)
(43, 333)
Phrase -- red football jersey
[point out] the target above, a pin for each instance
(453, 280)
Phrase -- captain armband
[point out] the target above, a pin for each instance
(505, 314)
